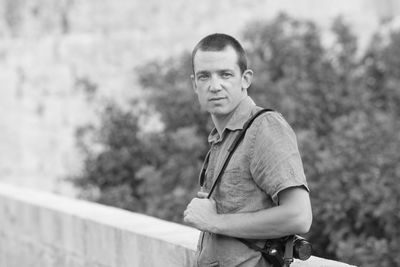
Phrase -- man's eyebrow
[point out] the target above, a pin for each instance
(219, 71)
(226, 70)
(202, 72)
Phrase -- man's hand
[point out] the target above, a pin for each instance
(201, 213)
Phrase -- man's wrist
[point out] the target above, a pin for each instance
(218, 224)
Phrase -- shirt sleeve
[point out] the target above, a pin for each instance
(275, 161)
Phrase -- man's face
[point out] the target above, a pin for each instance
(218, 82)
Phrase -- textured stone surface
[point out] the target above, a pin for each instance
(38, 229)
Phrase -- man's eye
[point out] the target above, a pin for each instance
(202, 77)
(226, 75)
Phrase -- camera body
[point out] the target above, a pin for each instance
(276, 248)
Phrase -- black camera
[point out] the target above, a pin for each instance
(302, 249)
(281, 251)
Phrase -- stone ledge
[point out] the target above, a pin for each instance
(43, 229)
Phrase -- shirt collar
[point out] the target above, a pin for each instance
(239, 117)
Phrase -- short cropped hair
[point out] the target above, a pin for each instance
(218, 42)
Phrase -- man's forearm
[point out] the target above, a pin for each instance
(293, 216)
(265, 224)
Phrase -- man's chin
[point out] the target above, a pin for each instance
(218, 112)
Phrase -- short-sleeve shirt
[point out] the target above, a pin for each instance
(266, 162)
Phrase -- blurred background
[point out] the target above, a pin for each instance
(96, 103)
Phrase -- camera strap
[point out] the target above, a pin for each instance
(288, 254)
(275, 261)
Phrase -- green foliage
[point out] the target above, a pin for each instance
(344, 105)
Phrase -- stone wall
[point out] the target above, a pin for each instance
(39, 229)
(42, 230)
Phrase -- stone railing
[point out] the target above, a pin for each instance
(39, 229)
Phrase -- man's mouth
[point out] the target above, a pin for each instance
(216, 98)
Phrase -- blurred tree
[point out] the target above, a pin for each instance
(13, 15)
(343, 107)
(114, 152)
(345, 112)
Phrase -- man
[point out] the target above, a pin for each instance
(263, 193)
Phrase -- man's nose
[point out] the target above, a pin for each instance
(215, 84)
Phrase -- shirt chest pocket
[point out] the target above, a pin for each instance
(234, 191)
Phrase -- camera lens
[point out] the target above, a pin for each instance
(302, 249)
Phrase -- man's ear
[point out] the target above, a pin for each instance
(247, 78)
(193, 83)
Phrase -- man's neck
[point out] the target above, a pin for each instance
(220, 122)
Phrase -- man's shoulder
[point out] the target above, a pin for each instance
(269, 117)
(270, 124)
